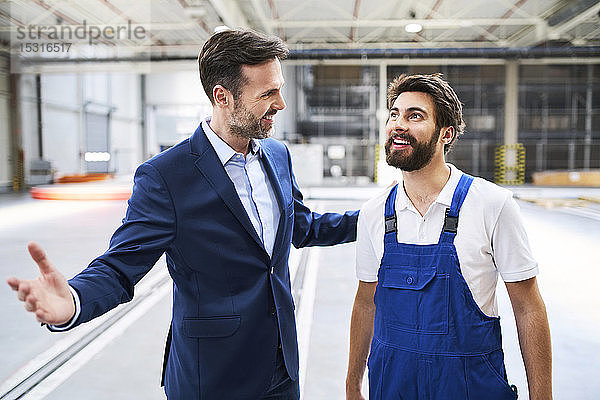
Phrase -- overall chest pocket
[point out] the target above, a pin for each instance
(415, 299)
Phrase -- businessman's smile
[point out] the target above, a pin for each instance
(267, 119)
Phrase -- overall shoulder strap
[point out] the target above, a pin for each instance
(451, 220)
(390, 215)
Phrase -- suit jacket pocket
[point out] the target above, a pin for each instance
(207, 327)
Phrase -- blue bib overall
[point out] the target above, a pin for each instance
(431, 340)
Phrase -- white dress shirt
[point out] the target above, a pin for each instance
(251, 184)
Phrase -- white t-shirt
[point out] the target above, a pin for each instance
(490, 240)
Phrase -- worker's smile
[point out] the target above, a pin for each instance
(401, 142)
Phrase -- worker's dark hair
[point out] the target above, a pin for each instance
(447, 106)
(222, 56)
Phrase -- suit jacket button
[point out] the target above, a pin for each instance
(272, 270)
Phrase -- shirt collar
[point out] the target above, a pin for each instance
(445, 196)
(223, 150)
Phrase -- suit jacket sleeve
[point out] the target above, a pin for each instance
(147, 231)
(314, 229)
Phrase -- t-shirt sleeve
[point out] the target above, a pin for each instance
(511, 251)
(367, 262)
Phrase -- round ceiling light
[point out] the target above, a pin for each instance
(413, 28)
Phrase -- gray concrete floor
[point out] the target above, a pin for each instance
(128, 367)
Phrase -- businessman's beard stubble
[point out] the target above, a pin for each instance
(244, 124)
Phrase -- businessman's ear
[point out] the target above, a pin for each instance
(222, 96)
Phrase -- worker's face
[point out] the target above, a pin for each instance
(412, 135)
(259, 101)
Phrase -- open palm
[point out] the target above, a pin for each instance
(48, 296)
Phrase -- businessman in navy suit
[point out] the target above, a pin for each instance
(225, 208)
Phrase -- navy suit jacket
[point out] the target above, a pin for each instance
(231, 300)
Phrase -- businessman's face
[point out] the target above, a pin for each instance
(412, 135)
(261, 98)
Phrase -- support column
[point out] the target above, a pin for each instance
(18, 170)
(510, 159)
(6, 148)
(143, 119)
(384, 174)
(511, 102)
(587, 143)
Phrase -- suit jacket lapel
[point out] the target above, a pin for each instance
(210, 166)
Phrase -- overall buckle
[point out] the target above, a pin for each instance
(450, 223)
(390, 224)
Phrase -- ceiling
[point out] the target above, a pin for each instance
(177, 28)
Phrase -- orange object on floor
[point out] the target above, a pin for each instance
(80, 192)
(77, 178)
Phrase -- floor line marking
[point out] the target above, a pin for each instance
(81, 358)
(78, 334)
(305, 317)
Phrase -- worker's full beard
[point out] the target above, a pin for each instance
(419, 155)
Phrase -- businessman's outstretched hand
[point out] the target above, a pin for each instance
(48, 296)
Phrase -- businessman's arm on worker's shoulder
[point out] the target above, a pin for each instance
(314, 229)
(361, 333)
(534, 336)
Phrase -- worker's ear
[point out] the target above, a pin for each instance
(222, 96)
(447, 135)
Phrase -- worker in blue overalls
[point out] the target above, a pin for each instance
(429, 253)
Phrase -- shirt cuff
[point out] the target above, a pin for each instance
(366, 277)
(70, 323)
(523, 275)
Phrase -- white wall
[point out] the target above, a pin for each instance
(63, 100)
(285, 121)
(5, 126)
(61, 127)
(179, 87)
(125, 139)
(176, 103)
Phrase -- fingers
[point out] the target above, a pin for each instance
(39, 256)
(13, 283)
(31, 302)
(24, 289)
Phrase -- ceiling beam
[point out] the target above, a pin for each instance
(299, 7)
(322, 43)
(434, 9)
(157, 27)
(126, 17)
(427, 23)
(506, 15)
(199, 21)
(542, 32)
(558, 31)
(262, 17)
(532, 35)
(275, 16)
(48, 9)
(230, 13)
(354, 17)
